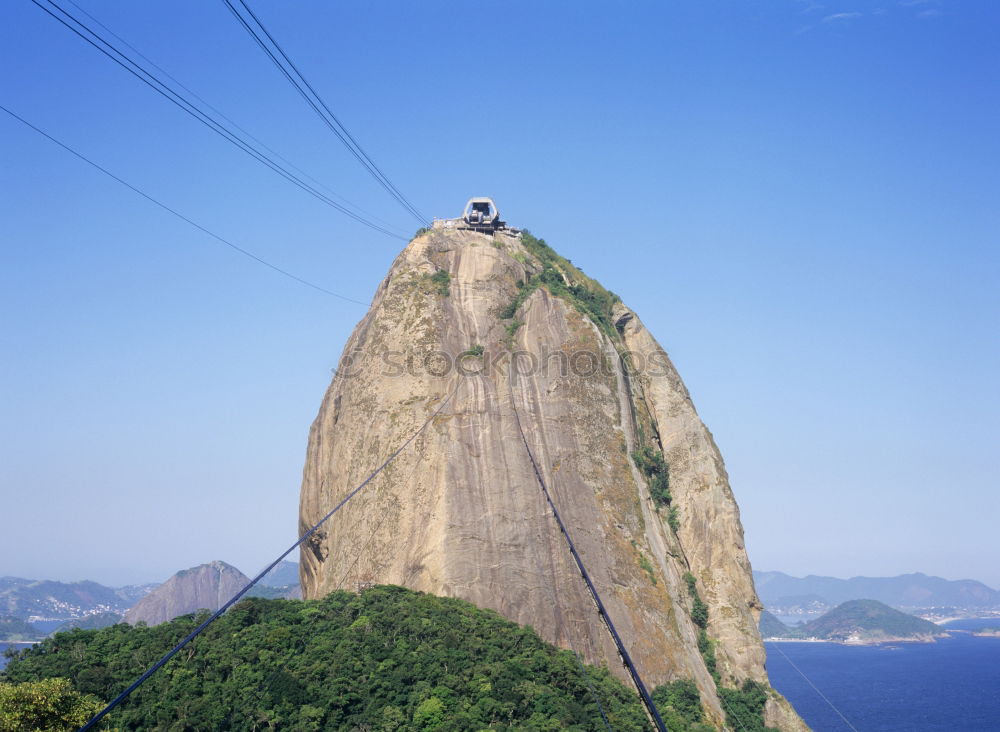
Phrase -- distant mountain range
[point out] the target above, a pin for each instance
(858, 621)
(811, 596)
(50, 603)
(31, 609)
(283, 575)
(280, 582)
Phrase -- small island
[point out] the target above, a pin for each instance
(856, 622)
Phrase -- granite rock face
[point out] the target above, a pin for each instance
(205, 587)
(460, 512)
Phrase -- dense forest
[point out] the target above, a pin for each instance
(386, 659)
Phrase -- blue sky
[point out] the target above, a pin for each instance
(799, 199)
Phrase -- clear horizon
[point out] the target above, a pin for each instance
(798, 200)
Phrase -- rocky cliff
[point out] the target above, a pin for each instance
(486, 325)
(206, 586)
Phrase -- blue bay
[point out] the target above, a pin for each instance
(952, 685)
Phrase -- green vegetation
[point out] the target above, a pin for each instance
(744, 707)
(561, 278)
(512, 327)
(699, 610)
(644, 563)
(386, 659)
(863, 620)
(524, 289)
(49, 704)
(867, 620)
(699, 616)
(15, 629)
(679, 704)
(476, 351)
(421, 231)
(672, 520)
(706, 647)
(652, 465)
(441, 282)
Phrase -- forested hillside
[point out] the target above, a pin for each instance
(869, 620)
(386, 659)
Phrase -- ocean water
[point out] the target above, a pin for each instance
(952, 685)
(4, 646)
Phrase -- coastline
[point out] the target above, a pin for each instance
(861, 641)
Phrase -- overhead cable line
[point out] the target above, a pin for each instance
(291, 72)
(221, 114)
(179, 215)
(644, 696)
(557, 605)
(175, 97)
(235, 598)
(777, 647)
(593, 691)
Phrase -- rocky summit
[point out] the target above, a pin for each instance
(205, 587)
(488, 330)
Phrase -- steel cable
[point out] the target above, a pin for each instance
(235, 598)
(315, 101)
(148, 78)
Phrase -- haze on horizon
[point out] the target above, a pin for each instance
(798, 199)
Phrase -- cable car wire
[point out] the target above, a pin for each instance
(564, 628)
(777, 647)
(331, 121)
(228, 119)
(148, 78)
(235, 598)
(314, 100)
(179, 215)
(647, 700)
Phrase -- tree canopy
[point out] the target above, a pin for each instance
(386, 659)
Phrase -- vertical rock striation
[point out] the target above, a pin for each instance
(460, 513)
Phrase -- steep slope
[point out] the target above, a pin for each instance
(206, 586)
(485, 326)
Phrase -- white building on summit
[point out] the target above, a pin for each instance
(480, 214)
